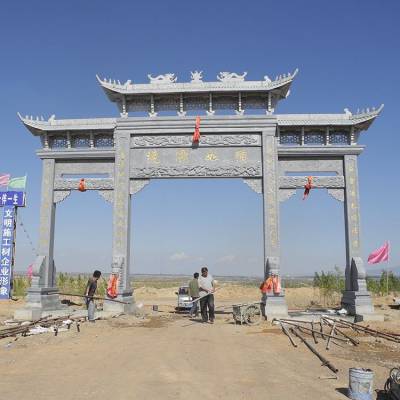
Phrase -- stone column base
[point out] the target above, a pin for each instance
(359, 304)
(113, 307)
(274, 307)
(41, 302)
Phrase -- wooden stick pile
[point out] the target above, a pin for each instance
(392, 337)
(331, 331)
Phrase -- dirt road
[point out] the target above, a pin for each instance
(169, 357)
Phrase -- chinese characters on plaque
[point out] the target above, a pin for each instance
(9, 201)
(6, 250)
(16, 199)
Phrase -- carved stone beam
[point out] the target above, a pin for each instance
(210, 110)
(337, 194)
(91, 184)
(181, 112)
(286, 194)
(107, 195)
(298, 182)
(136, 185)
(254, 184)
(60, 195)
(250, 171)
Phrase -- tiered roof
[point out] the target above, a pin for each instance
(231, 91)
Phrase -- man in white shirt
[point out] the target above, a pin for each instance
(206, 287)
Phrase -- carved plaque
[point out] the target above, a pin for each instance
(332, 165)
(201, 162)
(84, 168)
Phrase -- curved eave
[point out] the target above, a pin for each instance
(115, 91)
(37, 127)
(360, 121)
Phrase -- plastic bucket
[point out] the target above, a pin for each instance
(360, 383)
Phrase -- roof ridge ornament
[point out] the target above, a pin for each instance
(196, 76)
(363, 112)
(163, 79)
(231, 77)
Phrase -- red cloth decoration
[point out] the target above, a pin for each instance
(307, 187)
(82, 185)
(271, 285)
(196, 134)
(112, 286)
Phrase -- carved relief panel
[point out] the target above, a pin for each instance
(196, 162)
(186, 140)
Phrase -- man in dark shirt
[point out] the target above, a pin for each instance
(90, 291)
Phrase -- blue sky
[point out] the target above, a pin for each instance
(348, 56)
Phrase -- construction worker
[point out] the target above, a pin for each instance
(90, 291)
(206, 286)
(194, 294)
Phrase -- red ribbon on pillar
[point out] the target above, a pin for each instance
(112, 286)
(82, 185)
(196, 134)
(307, 187)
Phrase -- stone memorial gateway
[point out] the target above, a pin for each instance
(241, 137)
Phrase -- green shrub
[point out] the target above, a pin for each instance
(330, 285)
(387, 282)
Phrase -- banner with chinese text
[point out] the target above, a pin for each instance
(11, 198)
(6, 250)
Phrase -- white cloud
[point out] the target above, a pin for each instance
(226, 259)
(179, 256)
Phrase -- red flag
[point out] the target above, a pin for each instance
(4, 179)
(196, 134)
(379, 255)
(307, 187)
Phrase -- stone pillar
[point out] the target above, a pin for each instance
(121, 224)
(42, 296)
(356, 299)
(275, 304)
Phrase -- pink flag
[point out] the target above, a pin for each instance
(4, 179)
(379, 255)
(29, 272)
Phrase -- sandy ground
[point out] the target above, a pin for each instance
(168, 356)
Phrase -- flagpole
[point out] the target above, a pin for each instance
(387, 271)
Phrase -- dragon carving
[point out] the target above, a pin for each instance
(166, 78)
(231, 77)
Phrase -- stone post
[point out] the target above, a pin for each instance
(356, 299)
(121, 223)
(275, 304)
(42, 296)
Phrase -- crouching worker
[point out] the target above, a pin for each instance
(270, 287)
(90, 291)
